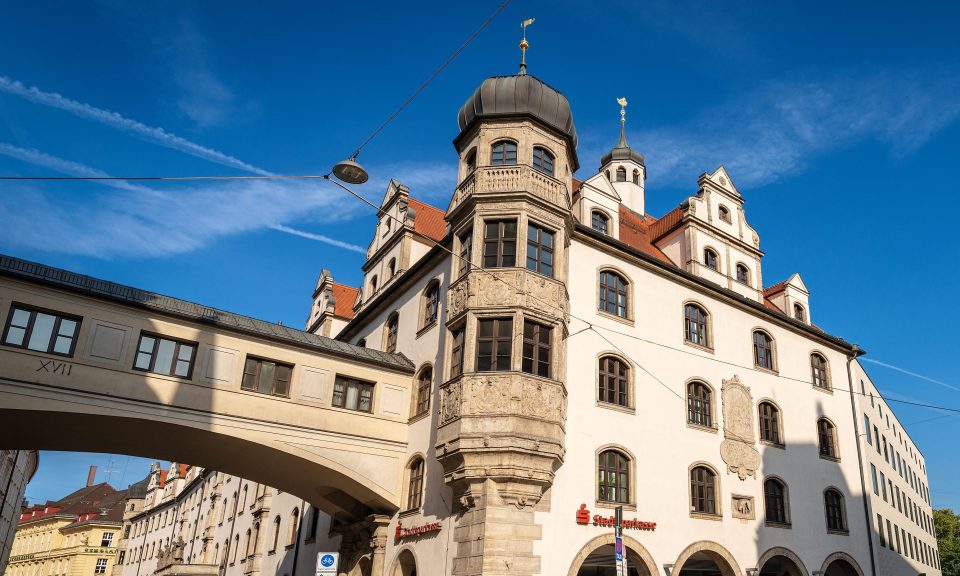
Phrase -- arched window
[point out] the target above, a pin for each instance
(710, 259)
(762, 350)
(276, 534)
(608, 175)
(818, 370)
(391, 269)
(613, 473)
(614, 381)
(393, 325)
(799, 313)
(294, 525)
(695, 326)
(621, 174)
(600, 222)
(542, 160)
(246, 544)
(698, 404)
(827, 437)
(255, 543)
(636, 176)
(743, 274)
(724, 214)
(770, 423)
(775, 500)
(424, 390)
(373, 285)
(243, 498)
(415, 485)
(431, 304)
(503, 153)
(834, 510)
(471, 160)
(703, 491)
(613, 294)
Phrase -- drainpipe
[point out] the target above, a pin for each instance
(855, 353)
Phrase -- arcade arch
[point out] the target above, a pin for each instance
(598, 554)
(706, 557)
(779, 561)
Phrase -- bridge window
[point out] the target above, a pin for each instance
(353, 394)
(415, 485)
(494, 344)
(165, 356)
(536, 349)
(266, 377)
(41, 330)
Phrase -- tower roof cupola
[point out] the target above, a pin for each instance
(623, 151)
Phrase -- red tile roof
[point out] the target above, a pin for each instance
(778, 287)
(182, 472)
(665, 224)
(345, 296)
(635, 232)
(429, 220)
(163, 478)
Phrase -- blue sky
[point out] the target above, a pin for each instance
(838, 122)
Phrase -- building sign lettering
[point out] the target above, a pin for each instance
(55, 367)
(584, 519)
(412, 531)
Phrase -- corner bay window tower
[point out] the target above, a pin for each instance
(501, 433)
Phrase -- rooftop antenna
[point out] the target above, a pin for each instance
(524, 45)
(110, 470)
(623, 122)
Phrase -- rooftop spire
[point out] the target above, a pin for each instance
(524, 45)
(623, 123)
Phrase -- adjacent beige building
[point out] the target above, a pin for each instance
(17, 467)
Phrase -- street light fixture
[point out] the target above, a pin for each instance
(350, 172)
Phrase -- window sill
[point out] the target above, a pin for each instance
(838, 532)
(631, 506)
(772, 371)
(698, 346)
(288, 547)
(777, 445)
(822, 389)
(419, 417)
(604, 314)
(702, 516)
(711, 429)
(410, 512)
(616, 407)
(426, 328)
(785, 525)
(830, 458)
(271, 552)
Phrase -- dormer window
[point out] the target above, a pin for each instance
(710, 259)
(600, 222)
(636, 177)
(621, 174)
(503, 153)
(799, 313)
(543, 160)
(725, 214)
(743, 275)
(471, 161)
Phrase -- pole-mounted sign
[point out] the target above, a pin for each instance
(618, 542)
(327, 563)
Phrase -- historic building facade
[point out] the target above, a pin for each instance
(17, 467)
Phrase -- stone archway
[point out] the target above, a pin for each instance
(840, 564)
(405, 564)
(779, 561)
(706, 551)
(638, 557)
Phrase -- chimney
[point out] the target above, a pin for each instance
(91, 476)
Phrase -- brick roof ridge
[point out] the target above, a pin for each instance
(778, 287)
(345, 297)
(665, 224)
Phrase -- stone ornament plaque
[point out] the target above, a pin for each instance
(742, 507)
(737, 448)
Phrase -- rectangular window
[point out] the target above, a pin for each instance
(466, 252)
(41, 330)
(456, 352)
(101, 566)
(165, 356)
(873, 473)
(106, 539)
(540, 250)
(500, 244)
(866, 425)
(896, 532)
(883, 541)
(883, 486)
(266, 377)
(353, 394)
(876, 434)
(886, 453)
(494, 344)
(123, 554)
(536, 349)
(889, 535)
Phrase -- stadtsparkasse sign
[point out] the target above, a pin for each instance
(412, 531)
(584, 519)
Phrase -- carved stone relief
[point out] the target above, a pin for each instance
(742, 507)
(450, 401)
(737, 448)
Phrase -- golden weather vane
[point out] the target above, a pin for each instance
(524, 45)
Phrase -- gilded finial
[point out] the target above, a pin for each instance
(623, 122)
(524, 45)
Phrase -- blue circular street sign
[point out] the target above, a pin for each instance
(326, 560)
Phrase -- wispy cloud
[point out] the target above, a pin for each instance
(771, 132)
(120, 122)
(68, 167)
(913, 374)
(319, 238)
(432, 182)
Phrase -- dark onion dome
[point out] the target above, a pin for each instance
(521, 95)
(622, 152)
